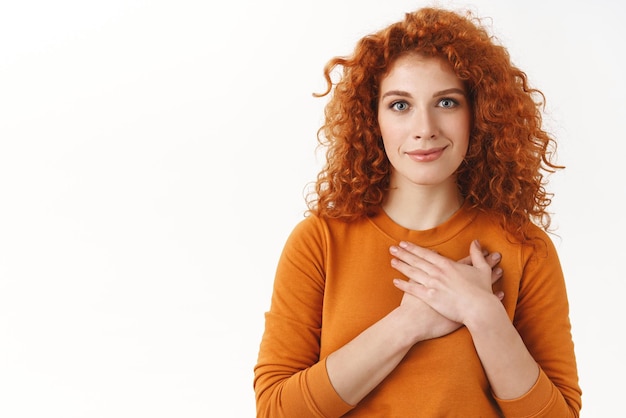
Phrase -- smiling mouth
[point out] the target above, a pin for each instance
(426, 155)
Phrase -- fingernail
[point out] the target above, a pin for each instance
(496, 256)
(498, 271)
(403, 244)
(393, 249)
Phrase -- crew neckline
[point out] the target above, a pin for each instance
(428, 237)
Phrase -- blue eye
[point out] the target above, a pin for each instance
(400, 106)
(447, 103)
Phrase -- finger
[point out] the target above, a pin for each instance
(406, 253)
(425, 254)
(415, 274)
(496, 274)
(416, 249)
(467, 260)
(478, 259)
(413, 288)
(492, 258)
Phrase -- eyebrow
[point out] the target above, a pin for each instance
(402, 93)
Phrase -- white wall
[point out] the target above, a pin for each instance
(153, 156)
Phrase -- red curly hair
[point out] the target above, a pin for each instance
(509, 153)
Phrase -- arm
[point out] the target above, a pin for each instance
(512, 355)
(359, 366)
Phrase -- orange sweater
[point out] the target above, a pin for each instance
(334, 280)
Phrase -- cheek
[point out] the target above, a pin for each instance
(387, 146)
(391, 143)
(390, 147)
(382, 126)
(392, 133)
(462, 133)
(385, 133)
(463, 146)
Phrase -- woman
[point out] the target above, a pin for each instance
(434, 150)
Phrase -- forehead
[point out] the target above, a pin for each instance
(420, 71)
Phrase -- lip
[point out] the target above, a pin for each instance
(426, 155)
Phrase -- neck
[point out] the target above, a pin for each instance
(422, 207)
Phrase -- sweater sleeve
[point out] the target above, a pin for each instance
(542, 319)
(290, 380)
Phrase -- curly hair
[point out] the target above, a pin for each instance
(509, 153)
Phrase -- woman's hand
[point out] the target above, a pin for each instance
(425, 322)
(440, 291)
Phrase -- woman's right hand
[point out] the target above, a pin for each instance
(430, 323)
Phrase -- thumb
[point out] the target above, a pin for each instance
(477, 256)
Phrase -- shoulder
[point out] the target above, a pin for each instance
(313, 230)
(540, 245)
(537, 244)
(313, 224)
(324, 233)
(492, 221)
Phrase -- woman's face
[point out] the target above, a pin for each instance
(424, 118)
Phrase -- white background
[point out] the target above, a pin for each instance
(153, 157)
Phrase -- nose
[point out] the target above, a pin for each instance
(424, 124)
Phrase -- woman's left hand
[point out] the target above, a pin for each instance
(452, 288)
